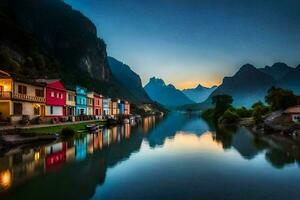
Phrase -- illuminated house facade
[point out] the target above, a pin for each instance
(98, 110)
(106, 104)
(55, 98)
(20, 97)
(81, 101)
(70, 102)
(126, 108)
(115, 107)
(122, 107)
(90, 103)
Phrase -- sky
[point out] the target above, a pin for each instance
(191, 42)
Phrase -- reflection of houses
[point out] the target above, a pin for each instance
(81, 148)
(55, 155)
(20, 97)
(81, 101)
(292, 114)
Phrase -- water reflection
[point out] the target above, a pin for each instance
(82, 164)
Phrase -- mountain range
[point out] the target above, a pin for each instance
(199, 93)
(166, 95)
(251, 84)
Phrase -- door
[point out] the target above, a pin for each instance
(81, 111)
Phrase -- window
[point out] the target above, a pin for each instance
(18, 108)
(58, 95)
(52, 94)
(1, 88)
(22, 89)
(51, 110)
(39, 93)
(61, 96)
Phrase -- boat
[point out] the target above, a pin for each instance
(92, 127)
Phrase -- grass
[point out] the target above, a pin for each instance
(57, 129)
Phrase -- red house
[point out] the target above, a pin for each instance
(55, 98)
(98, 104)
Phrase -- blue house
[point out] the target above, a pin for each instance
(81, 107)
(122, 107)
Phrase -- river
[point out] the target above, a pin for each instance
(178, 157)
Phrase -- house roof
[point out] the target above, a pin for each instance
(293, 110)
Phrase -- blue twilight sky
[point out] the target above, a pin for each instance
(187, 42)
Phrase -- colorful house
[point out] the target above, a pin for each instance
(55, 98)
(115, 107)
(98, 104)
(20, 97)
(122, 107)
(71, 102)
(90, 103)
(126, 108)
(106, 104)
(81, 101)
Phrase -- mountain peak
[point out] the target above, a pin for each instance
(277, 70)
(166, 95)
(247, 67)
(157, 81)
(280, 65)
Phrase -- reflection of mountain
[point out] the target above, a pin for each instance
(172, 124)
(78, 180)
(243, 143)
(166, 129)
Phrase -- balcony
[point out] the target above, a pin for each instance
(5, 95)
(25, 97)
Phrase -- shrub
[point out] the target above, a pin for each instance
(229, 117)
(67, 132)
(243, 112)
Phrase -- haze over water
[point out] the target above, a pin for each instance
(179, 157)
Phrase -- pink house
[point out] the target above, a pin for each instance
(98, 104)
(55, 98)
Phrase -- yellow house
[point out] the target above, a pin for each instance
(20, 97)
(115, 107)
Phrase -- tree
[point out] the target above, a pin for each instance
(279, 98)
(257, 114)
(222, 103)
(258, 111)
(229, 117)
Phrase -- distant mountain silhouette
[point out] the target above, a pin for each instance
(199, 93)
(166, 95)
(277, 70)
(247, 86)
(291, 80)
(128, 79)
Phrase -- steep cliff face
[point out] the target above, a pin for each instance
(60, 34)
(129, 79)
(47, 38)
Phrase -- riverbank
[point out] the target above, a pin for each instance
(49, 128)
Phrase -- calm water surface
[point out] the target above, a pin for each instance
(179, 157)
